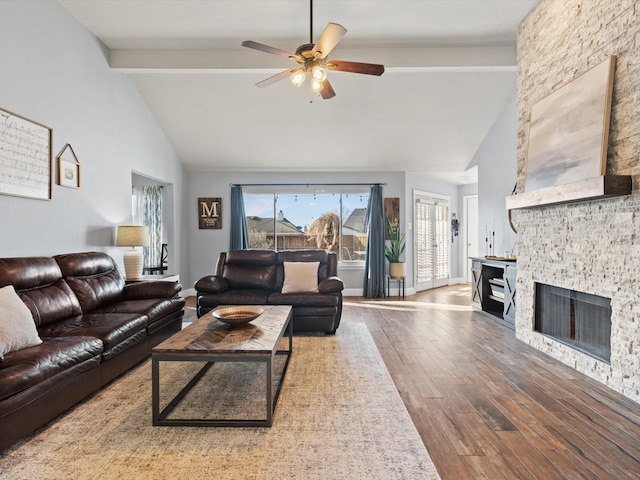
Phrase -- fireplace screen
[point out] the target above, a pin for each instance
(580, 320)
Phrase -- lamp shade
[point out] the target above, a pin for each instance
(132, 236)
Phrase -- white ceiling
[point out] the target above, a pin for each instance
(450, 69)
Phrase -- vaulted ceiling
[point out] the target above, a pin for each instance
(450, 70)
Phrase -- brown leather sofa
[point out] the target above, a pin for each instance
(93, 327)
(256, 277)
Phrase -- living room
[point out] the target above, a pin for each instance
(57, 73)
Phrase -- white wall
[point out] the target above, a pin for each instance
(56, 73)
(497, 164)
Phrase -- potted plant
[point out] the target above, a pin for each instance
(395, 249)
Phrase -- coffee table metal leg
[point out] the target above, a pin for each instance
(155, 390)
(270, 402)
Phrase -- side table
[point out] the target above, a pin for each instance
(400, 284)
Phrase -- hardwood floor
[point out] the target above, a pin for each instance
(487, 405)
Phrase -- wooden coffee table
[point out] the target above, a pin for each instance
(209, 340)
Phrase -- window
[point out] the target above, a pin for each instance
(291, 220)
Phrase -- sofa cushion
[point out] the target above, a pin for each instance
(151, 289)
(252, 269)
(17, 328)
(311, 255)
(30, 366)
(111, 328)
(235, 297)
(51, 303)
(26, 273)
(153, 308)
(246, 276)
(300, 277)
(38, 281)
(304, 299)
(93, 277)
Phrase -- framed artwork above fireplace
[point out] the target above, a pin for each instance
(569, 130)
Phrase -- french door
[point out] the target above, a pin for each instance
(432, 237)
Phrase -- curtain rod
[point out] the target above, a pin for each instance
(303, 184)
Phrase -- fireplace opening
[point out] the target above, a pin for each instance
(577, 319)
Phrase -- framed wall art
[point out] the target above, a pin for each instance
(569, 130)
(391, 212)
(68, 168)
(210, 213)
(25, 157)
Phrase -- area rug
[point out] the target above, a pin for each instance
(339, 417)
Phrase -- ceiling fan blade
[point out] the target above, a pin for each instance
(327, 91)
(355, 67)
(268, 49)
(329, 38)
(276, 78)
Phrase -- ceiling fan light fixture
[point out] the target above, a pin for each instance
(312, 59)
(316, 86)
(298, 76)
(318, 73)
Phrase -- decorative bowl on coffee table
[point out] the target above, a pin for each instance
(237, 315)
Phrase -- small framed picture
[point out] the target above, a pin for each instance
(68, 168)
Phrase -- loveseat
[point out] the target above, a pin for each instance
(305, 279)
(89, 328)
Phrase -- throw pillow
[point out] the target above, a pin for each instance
(17, 328)
(300, 277)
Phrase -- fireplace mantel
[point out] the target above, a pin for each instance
(594, 188)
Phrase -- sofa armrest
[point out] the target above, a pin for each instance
(150, 289)
(212, 284)
(330, 285)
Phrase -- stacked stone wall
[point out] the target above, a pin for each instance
(593, 247)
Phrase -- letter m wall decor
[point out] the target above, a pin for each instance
(210, 213)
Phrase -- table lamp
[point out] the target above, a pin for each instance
(133, 236)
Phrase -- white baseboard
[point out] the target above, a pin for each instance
(352, 292)
(358, 292)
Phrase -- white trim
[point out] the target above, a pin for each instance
(465, 234)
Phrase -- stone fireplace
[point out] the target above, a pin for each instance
(591, 247)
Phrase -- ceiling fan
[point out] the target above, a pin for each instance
(312, 60)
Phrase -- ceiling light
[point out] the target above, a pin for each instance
(319, 73)
(298, 76)
(316, 86)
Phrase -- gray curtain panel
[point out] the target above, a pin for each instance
(239, 235)
(152, 218)
(374, 263)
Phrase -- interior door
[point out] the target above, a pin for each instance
(432, 240)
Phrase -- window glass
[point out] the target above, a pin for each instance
(293, 221)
